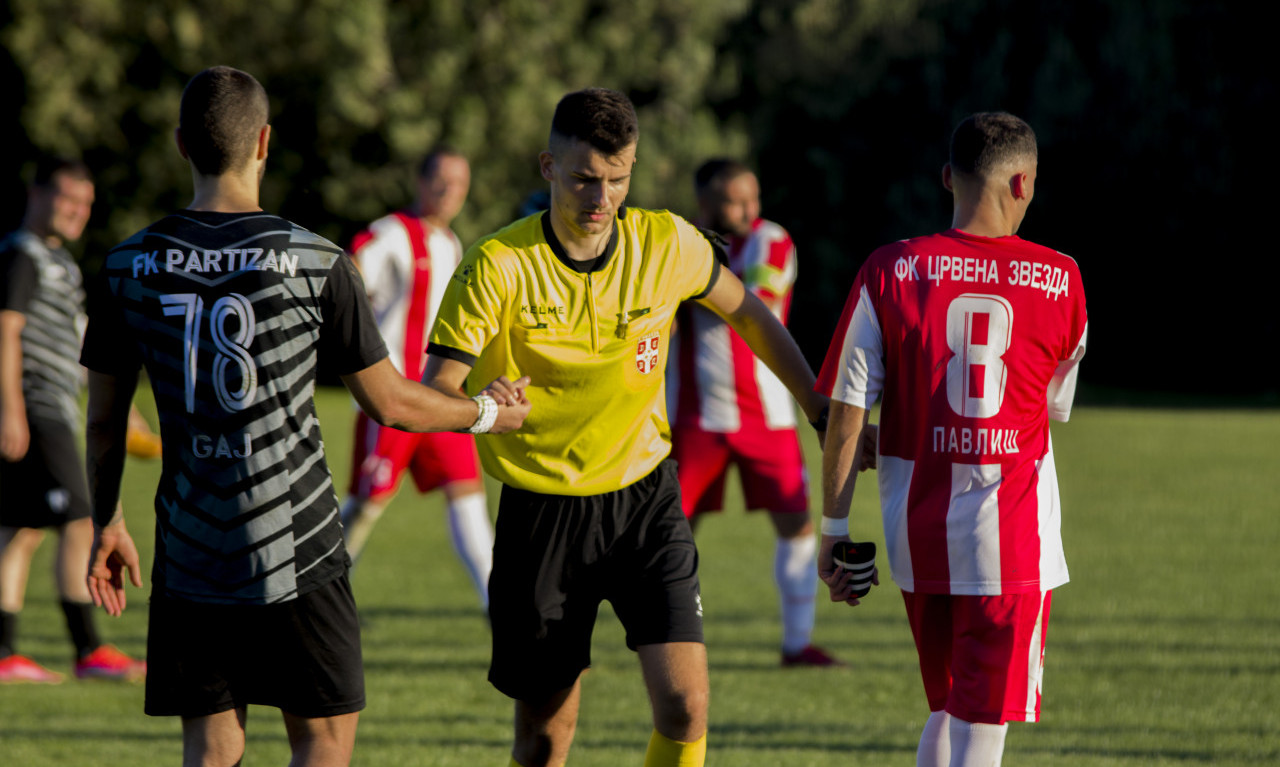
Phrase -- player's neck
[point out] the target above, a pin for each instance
(986, 210)
(431, 220)
(984, 218)
(226, 193)
(580, 246)
(44, 232)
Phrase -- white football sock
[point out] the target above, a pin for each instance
(935, 742)
(976, 745)
(472, 536)
(795, 574)
(358, 518)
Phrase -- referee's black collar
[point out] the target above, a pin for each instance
(590, 265)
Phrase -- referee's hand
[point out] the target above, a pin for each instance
(513, 405)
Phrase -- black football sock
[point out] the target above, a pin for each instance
(8, 630)
(84, 634)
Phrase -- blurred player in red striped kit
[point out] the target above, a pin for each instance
(406, 259)
(726, 408)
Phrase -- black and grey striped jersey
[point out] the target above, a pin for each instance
(44, 285)
(229, 313)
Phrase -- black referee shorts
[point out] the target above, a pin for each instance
(556, 557)
(47, 488)
(301, 656)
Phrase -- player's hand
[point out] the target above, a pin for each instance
(504, 391)
(112, 554)
(513, 405)
(837, 579)
(870, 438)
(15, 437)
(817, 414)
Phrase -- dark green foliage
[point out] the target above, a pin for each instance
(1150, 118)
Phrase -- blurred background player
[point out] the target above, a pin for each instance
(42, 477)
(406, 259)
(727, 408)
(973, 359)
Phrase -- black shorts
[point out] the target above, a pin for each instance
(301, 656)
(556, 557)
(47, 488)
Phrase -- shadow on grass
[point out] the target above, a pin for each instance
(43, 734)
(377, 612)
(402, 665)
(770, 662)
(1145, 755)
(365, 740)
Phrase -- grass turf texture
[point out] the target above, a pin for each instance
(1164, 650)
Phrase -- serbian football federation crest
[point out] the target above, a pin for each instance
(647, 353)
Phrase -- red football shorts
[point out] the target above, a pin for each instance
(981, 658)
(769, 462)
(381, 454)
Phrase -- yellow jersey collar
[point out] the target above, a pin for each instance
(595, 264)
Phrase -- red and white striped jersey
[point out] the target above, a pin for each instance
(406, 265)
(974, 343)
(716, 383)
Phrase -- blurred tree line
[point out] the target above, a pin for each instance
(1149, 115)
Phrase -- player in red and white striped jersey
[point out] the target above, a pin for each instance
(726, 407)
(972, 336)
(406, 259)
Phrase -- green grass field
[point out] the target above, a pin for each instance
(1164, 649)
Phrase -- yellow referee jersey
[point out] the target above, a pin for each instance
(594, 344)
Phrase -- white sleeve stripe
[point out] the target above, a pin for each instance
(860, 376)
(1062, 388)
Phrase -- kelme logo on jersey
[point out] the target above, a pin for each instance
(647, 353)
(542, 310)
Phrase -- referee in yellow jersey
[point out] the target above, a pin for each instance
(581, 298)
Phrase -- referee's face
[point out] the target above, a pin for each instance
(587, 186)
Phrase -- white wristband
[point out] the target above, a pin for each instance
(488, 414)
(836, 528)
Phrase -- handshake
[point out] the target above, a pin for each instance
(503, 406)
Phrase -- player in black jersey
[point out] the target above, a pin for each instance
(229, 309)
(42, 480)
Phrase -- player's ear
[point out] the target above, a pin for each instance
(264, 138)
(546, 163)
(182, 148)
(1019, 186)
(946, 177)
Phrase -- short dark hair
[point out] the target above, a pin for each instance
(223, 109)
(983, 142)
(431, 162)
(603, 118)
(717, 170)
(48, 166)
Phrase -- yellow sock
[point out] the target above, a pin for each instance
(665, 752)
